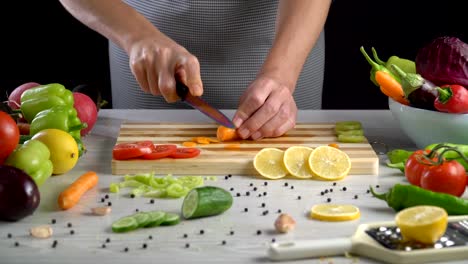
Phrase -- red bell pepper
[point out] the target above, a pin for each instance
(452, 99)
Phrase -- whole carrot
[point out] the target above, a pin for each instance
(72, 194)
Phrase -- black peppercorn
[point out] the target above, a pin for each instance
(331, 190)
(355, 196)
(132, 195)
(238, 194)
(54, 221)
(251, 184)
(273, 240)
(246, 209)
(187, 245)
(185, 235)
(69, 224)
(9, 235)
(299, 197)
(259, 232)
(150, 237)
(107, 196)
(279, 211)
(16, 244)
(265, 183)
(292, 187)
(322, 193)
(255, 188)
(109, 204)
(232, 233)
(328, 199)
(334, 184)
(229, 175)
(108, 240)
(202, 232)
(232, 189)
(102, 200)
(72, 232)
(377, 186)
(344, 188)
(103, 246)
(264, 193)
(263, 204)
(136, 210)
(247, 193)
(152, 201)
(368, 191)
(144, 245)
(226, 177)
(223, 242)
(126, 249)
(285, 184)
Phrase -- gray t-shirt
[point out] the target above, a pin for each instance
(230, 38)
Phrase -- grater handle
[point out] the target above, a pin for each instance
(309, 248)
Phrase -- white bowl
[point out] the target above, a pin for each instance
(425, 127)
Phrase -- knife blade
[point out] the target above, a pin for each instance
(201, 105)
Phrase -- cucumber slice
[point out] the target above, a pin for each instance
(156, 218)
(171, 219)
(142, 218)
(206, 201)
(124, 224)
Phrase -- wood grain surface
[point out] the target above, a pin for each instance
(231, 157)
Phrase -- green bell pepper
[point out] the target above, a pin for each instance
(44, 97)
(33, 157)
(59, 117)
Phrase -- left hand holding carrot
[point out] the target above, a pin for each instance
(73, 193)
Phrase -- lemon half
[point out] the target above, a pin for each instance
(329, 163)
(296, 161)
(335, 212)
(425, 224)
(269, 163)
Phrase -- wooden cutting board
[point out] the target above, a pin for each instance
(221, 159)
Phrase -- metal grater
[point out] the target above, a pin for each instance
(390, 237)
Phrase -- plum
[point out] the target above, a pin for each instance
(19, 194)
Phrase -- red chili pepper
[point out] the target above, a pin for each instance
(452, 99)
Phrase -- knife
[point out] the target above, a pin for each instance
(199, 104)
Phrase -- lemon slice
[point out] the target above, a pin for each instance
(269, 163)
(425, 224)
(335, 212)
(329, 163)
(296, 160)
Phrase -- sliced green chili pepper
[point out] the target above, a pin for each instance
(402, 196)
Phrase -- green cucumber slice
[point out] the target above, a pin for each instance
(156, 218)
(171, 219)
(124, 224)
(142, 218)
(206, 201)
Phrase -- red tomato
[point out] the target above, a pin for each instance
(448, 177)
(160, 151)
(183, 153)
(9, 135)
(132, 150)
(415, 165)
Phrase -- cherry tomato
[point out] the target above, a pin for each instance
(123, 151)
(183, 153)
(415, 165)
(448, 177)
(160, 151)
(9, 135)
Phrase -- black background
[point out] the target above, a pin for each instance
(43, 43)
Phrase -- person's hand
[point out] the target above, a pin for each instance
(266, 109)
(157, 61)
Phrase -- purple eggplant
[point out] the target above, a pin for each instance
(19, 194)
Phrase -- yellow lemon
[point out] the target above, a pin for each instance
(269, 163)
(296, 160)
(63, 149)
(335, 212)
(425, 224)
(329, 163)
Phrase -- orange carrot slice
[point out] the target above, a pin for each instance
(226, 134)
(189, 144)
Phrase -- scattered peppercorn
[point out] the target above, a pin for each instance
(187, 245)
(251, 184)
(136, 210)
(16, 244)
(285, 184)
(322, 193)
(344, 188)
(259, 232)
(299, 197)
(264, 193)
(263, 204)
(326, 191)
(255, 189)
(229, 175)
(152, 201)
(54, 221)
(202, 232)
(103, 246)
(279, 211)
(72, 232)
(102, 200)
(232, 233)
(108, 240)
(150, 237)
(69, 224)
(185, 235)
(273, 240)
(259, 195)
(246, 209)
(328, 199)
(331, 190)
(377, 186)
(54, 244)
(368, 191)
(292, 187)
(334, 184)
(126, 249)
(232, 189)
(247, 193)
(109, 204)
(132, 195)
(144, 245)
(224, 242)
(238, 194)
(265, 212)
(226, 177)
(355, 196)
(9, 235)
(265, 183)
(107, 196)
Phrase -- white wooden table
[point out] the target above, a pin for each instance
(168, 244)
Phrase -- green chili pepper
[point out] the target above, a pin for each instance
(377, 67)
(60, 117)
(44, 97)
(406, 65)
(33, 157)
(402, 196)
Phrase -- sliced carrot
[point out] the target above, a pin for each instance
(73, 193)
(390, 87)
(232, 146)
(201, 140)
(226, 134)
(334, 145)
(189, 144)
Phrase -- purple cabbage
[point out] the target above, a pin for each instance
(444, 61)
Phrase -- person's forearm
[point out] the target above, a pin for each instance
(113, 19)
(299, 24)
